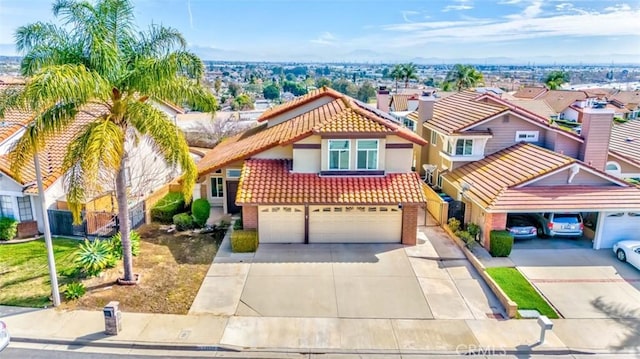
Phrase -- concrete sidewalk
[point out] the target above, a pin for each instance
(392, 336)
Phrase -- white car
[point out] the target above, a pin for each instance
(628, 251)
(4, 336)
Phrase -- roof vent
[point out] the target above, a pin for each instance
(630, 139)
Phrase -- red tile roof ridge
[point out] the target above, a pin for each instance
(299, 101)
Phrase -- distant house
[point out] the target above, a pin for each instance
(320, 168)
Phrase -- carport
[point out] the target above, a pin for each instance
(614, 210)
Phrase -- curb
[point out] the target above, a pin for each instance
(127, 345)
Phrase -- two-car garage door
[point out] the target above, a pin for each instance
(330, 224)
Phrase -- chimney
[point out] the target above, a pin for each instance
(596, 131)
(425, 106)
(383, 99)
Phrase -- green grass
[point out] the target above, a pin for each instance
(518, 288)
(24, 271)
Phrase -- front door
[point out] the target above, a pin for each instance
(232, 190)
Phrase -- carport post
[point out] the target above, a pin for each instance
(544, 324)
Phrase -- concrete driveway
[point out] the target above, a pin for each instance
(390, 281)
(582, 283)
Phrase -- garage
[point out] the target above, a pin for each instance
(355, 224)
(281, 224)
(616, 226)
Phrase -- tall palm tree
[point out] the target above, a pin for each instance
(464, 77)
(409, 72)
(555, 79)
(397, 74)
(98, 63)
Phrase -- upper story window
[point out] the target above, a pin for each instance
(527, 136)
(463, 147)
(434, 138)
(410, 124)
(367, 155)
(339, 154)
(234, 173)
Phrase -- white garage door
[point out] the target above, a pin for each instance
(281, 224)
(617, 227)
(355, 224)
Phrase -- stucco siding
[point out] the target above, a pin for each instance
(278, 152)
(306, 160)
(625, 166)
(582, 178)
(566, 146)
(504, 129)
(398, 160)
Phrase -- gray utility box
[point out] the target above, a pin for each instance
(112, 318)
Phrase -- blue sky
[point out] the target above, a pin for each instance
(388, 31)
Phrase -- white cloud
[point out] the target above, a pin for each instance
(190, 14)
(407, 14)
(618, 7)
(532, 10)
(509, 2)
(326, 38)
(459, 6)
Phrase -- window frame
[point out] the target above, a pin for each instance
(367, 150)
(535, 136)
(4, 200)
(219, 191)
(27, 207)
(230, 170)
(339, 152)
(434, 138)
(464, 147)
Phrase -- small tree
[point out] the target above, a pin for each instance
(271, 92)
(366, 91)
(555, 79)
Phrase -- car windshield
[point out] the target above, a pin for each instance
(566, 218)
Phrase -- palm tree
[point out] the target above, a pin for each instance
(397, 74)
(409, 72)
(97, 62)
(555, 79)
(464, 77)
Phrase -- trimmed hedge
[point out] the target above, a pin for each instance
(244, 241)
(500, 243)
(167, 207)
(200, 209)
(8, 228)
(183, 221)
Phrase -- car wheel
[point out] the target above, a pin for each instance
(541, 233)
(621, 256)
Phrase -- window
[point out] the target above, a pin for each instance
(612, 167)
(217, 190)
(234, 173)
(434, 138)
(24, 209)
(367, 154)
(410, 124)
(339, 154)
(527, 136)
(6, 207)
(464, 147)
(439, 184)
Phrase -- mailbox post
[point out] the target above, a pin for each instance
(544, 323)
(112, 318)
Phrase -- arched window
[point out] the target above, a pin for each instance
(613, 168)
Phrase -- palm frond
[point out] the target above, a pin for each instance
(98, 148)
(184, 91)
(149, 73)
(167, 139)
(157, 41)
(37, 34)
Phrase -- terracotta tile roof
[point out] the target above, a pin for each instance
(513, 165)
(51, 157)
(12, 123)
(458, 111)
(341, 115)
(631, 99)
(539, 107)
(401, 102)
(271, 182)
(568, 198)
(559, 100)
(625, 140)
(530, 92)
(298, 101)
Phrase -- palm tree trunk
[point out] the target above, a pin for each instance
(123, 218)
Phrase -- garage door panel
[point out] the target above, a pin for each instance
(618, 227)
(355, 224)
(281, 224)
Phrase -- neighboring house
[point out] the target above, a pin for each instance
(498, 158)
(19, 199)
(320, 168)
(624, 151)
(530, 92)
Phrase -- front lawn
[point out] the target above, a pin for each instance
(172, 267)
(518, 288)
(24, 271)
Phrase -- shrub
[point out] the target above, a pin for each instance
(116, 244)
(94, 257)
(167, 207)
(200, 209)
(237, 225)
(466, 237)
(244, 241)
(501, 243)
(224, 224)
(8, 228)
(473, 230)
(183, 221)
(454, 224)
(74, 290)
